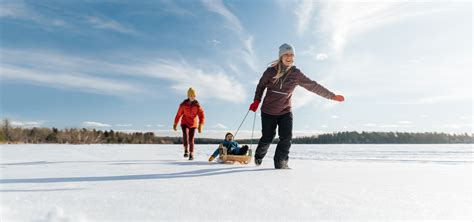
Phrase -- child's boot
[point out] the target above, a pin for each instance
(185, 152)
(211, 158)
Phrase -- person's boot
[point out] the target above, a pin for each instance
(244, 150)
(211, 158)
(191, 156)
(282, 164)
(186, 153)
(258, 161)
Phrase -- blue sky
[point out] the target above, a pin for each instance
(126, 65)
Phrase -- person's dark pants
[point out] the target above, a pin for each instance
(285, 129)
(188, 138)
(240, 151)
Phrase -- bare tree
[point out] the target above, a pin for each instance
(6, 127)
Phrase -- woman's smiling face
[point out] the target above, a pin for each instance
(288, 59)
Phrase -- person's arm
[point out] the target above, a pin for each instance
(237, 145)
(262, 84)
(314, 87)
(201, 118)
(178, 116)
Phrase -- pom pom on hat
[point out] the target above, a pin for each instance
(191, 92)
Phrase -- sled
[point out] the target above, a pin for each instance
(231, 159)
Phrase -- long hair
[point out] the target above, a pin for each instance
(280, 72)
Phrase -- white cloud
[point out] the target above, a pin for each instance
(184, 75)
(95, 124)
(18, 10)
(148, 125)
(455, 125)
(63, 71)
(103, 23)
(456, 95)
(219, 126)
(405, 122)
(390, 126)
(218, 7)
(301, 133)
(321, 56)
(452, 97)
(304, 13)
(417, 61)
(77, 73)
(160, 125)
(402, 83)
(234, 69)
(335, 117)
(123, 125)
(396, 126)
(215, 42)
(69, 81)
(324, 126)
(13, 9)
(370, 124)
(245, 51)
(248, 54)
(314, 52)
(27, 124)
(301, 97)
(328, 104)
(172, 6)
(344, 21)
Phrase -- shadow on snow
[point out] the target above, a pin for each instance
(185, 174)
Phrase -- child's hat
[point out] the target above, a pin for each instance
(191, 92)
(228, 134)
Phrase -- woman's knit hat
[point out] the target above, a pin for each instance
(285, 48)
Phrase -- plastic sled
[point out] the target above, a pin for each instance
(229, 158)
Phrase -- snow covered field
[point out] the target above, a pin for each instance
(153, 182)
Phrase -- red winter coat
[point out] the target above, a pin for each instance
(190, 113)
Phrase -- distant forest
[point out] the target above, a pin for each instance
(9, 134)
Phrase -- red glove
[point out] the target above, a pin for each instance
(254, 105)
(338, 98)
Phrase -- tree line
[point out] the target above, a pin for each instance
(10, 134)
(386, 138)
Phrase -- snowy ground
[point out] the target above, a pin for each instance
(153, 182)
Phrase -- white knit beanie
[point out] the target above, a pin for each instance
(285, 48)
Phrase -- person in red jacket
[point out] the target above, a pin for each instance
(280, 80)
(189, 111)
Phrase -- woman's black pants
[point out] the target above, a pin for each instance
(285, 129)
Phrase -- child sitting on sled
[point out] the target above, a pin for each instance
(232, 147)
